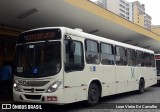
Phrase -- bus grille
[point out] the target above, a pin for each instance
(33, 97)
(36, 83)
(36, 90)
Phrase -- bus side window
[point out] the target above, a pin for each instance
(75, 60)
(92, 52)
(140, 59)
(107, 54)
(152, 61)
(147, 59)
(120, 56)
(131, 57)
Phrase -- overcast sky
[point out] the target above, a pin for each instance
(152, 8)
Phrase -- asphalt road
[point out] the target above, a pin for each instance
(106, 104)
(151, 95)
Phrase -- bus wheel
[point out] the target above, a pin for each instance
(141, 86)
(93, 94)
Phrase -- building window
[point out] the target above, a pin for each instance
(127, 9)
(127, 4)
(122, 6)
(122, 15)
(122, 1)
(127, 13)
(122, 10)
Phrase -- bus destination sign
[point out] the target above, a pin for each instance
(40, 35)
(157, 56)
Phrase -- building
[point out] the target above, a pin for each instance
(139, 16)
(138, 13)
(147, 21)
(119, 7)
(132, 11)
(102, 3)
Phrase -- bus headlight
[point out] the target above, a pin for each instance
(54, 87)
(15, 86)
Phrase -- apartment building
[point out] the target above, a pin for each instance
(132, 11)
(147, 21)
(139, 16)
(119, 7)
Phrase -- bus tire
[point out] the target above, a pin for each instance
(93, 94)
(141, 86)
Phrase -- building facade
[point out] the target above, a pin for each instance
(132, 11)
(147, 21)
(119, 7)
(139, 16)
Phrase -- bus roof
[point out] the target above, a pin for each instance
(106, 40)
(94, 37)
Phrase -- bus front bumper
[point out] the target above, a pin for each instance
(52, 98)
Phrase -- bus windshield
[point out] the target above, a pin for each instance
(38, 60)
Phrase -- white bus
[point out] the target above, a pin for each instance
(157, 58)
(60, 65)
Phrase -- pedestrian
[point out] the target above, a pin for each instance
(6, 77)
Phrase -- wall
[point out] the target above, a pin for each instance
(7, 50)
(141, 20)
(156, 30)
(135, 10)
(113, 5)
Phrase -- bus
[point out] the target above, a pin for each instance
(59, 65)
(157, 58)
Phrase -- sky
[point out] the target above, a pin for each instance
(152, 8)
